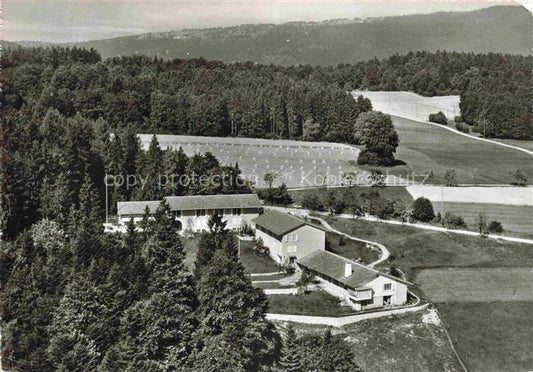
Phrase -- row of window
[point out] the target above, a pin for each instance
(291, 238)
(203, 212)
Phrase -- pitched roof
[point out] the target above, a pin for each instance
(332, 265)
(277, 222)
(181, 203)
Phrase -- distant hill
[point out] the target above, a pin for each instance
(505, 29)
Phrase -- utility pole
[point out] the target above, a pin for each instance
(106, 208)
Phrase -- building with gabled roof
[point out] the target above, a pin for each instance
(193, 212)
(288, 238)
(361, 286)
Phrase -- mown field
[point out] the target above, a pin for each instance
(411, 104)
(488, 335)
(396, 343)
(427, 148)
(491, 336)
(477, 285)
(416, 249)
(516, 220)
(297, 163)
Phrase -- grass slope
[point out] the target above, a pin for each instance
(417, 249)
(316, 303)
(425, 148)
(389, 192)
(516, 220)
(352, 250)
(396, 343)
(491, 337)
(477, 285)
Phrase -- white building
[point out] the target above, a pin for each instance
(361, 286)
(288, 238)
(193, 212)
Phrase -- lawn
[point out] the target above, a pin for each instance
(477, 285)
(396, 343)
(426, 148)
(389, 192)
(316, 303)
(415, 249)
(516, 220)
(254, 263)
(352, 249)
(493, 336)
(266, 285)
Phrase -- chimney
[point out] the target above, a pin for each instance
(347, 269)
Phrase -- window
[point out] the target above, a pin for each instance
(200, 212)
(291, 238)
(220, 212)
(387, 287)
(291, 249)
(236, 211)
(176, 214)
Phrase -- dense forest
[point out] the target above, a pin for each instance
(73, 298)
(199, 97)
(501, 29)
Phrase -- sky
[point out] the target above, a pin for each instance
(79, 20)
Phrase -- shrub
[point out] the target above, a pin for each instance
(462, 127)
(495, 227)
(438, 118)
(458, 119)
(261, 249)
(423, 210)
(312, 201)
(454, 222)
(342, 241)
(367, 157)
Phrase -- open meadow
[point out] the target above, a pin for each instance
(517, 220)
(491, 336)
(411, 104)
(477, 285)
(427, 148)
(416, 249)
(297, 163)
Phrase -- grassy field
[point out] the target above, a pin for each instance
(295, 162)
(389, 192)
(316, 303)
(491, 336)
(352, 249)
(528, 145)
(254, 263)
(516, 220)
(415, 249)
(412, 105)
(477, 285)
(426, 148)
(396, 343)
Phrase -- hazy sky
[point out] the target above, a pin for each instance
(61, 21)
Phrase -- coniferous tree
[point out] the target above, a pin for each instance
(289, 360)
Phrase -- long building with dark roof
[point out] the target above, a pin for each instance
(193, 212)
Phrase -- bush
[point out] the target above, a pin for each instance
(454, 222)
(342, 241)
(261, 249)
(458, 119)
(276, 195)
(438, 118)
(423, 210)
(312, 201)
(462, 127)
(495, 227)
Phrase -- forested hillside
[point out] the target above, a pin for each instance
(211, 98)
(504, 29)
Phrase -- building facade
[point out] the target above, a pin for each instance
(193, 212)
(360, 286)
(288, 238)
